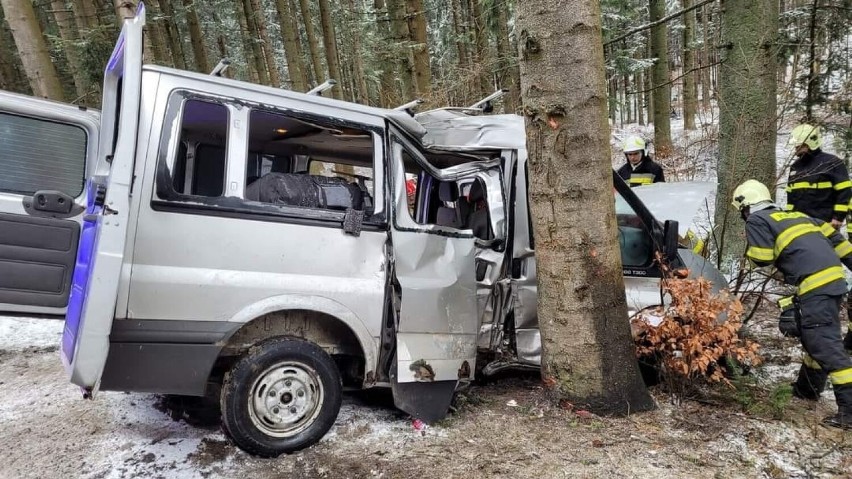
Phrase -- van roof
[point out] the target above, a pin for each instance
(457, 129)
(398, 118)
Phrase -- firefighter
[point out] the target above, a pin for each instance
(809, 253)
(819, 183)
(639, 169)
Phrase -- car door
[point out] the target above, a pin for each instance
(46, 152)
(94, 288)
(435, 273)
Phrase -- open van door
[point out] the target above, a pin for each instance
(91, 308)
(45, 148)
(434, 268)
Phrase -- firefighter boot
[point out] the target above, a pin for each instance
(810, 383)
(843, 418)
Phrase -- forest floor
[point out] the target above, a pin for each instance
(505, 428)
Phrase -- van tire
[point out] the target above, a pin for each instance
(282, 396)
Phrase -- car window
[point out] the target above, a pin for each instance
(634, 240)
(38, 154)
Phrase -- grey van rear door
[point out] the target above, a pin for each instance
(94, 288)
(45, 149)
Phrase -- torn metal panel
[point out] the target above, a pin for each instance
(454, 129)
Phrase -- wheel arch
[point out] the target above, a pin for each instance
(325, 322)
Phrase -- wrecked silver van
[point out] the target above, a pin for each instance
(273, 248)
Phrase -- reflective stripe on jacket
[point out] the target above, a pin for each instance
(819, 186)
(806, 250)
(646, 173)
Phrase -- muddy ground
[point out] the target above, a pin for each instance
(504, 428)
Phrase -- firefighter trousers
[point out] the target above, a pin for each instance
(822, 342)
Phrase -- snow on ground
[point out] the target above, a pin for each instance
(22, 333)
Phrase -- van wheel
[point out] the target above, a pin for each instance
(282, 396)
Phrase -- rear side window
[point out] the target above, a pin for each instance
(41, 155)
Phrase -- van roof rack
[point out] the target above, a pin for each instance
(220, 67)
(410, 106)
(485, 104)
(326, 85)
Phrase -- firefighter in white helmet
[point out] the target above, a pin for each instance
(639, 169)
(809, 252)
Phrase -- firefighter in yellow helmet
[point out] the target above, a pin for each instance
(819, 183)
(809, 252)
(639, 169)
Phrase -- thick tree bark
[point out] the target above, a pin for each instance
(689, 94)
(329, 41)
(508, 72)
(202, 64)
(65, 22)
(251, 65)
(399, 40)
(587, 348)
(32, 48)
(747, 108)
(660, 81)
(292, 45)
(173, 34)
(420, 48)
(313, 42)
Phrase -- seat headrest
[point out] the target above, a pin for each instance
(448, 191)
(477, 192)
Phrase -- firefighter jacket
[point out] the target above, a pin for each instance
(819, 186)
(806, 250)
(645, 173)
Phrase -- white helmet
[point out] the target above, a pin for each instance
(633, 144)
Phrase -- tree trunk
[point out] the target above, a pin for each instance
(329, 41)
(708, 42)
(124, 9)
(157, 33)
(255, 43)
(32, 49)
(813, 67)
(507, 66)
(419, 48)
(400, 39)
(358, 75)
(660, 81)
(689, 94)
(265, 45)
(627, 104)
(480, 36)
(587, 348)
(649, 90)
(173, 34)
(251, 66)
(747, 108)
(202, 64)
(292, 45)
(85, 14)
(388, 93)
(640, 97)
(65, 22)
(313, 42)
(10, 64)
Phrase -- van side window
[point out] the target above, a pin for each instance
(296, 162)
(634, 240)
(39, 154)
(200, 159)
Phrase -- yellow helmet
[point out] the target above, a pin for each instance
(633, 143)
(805, 134)
(750, 192)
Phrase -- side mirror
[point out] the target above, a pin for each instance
(670, 240)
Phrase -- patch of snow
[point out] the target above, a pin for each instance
(17, 334)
